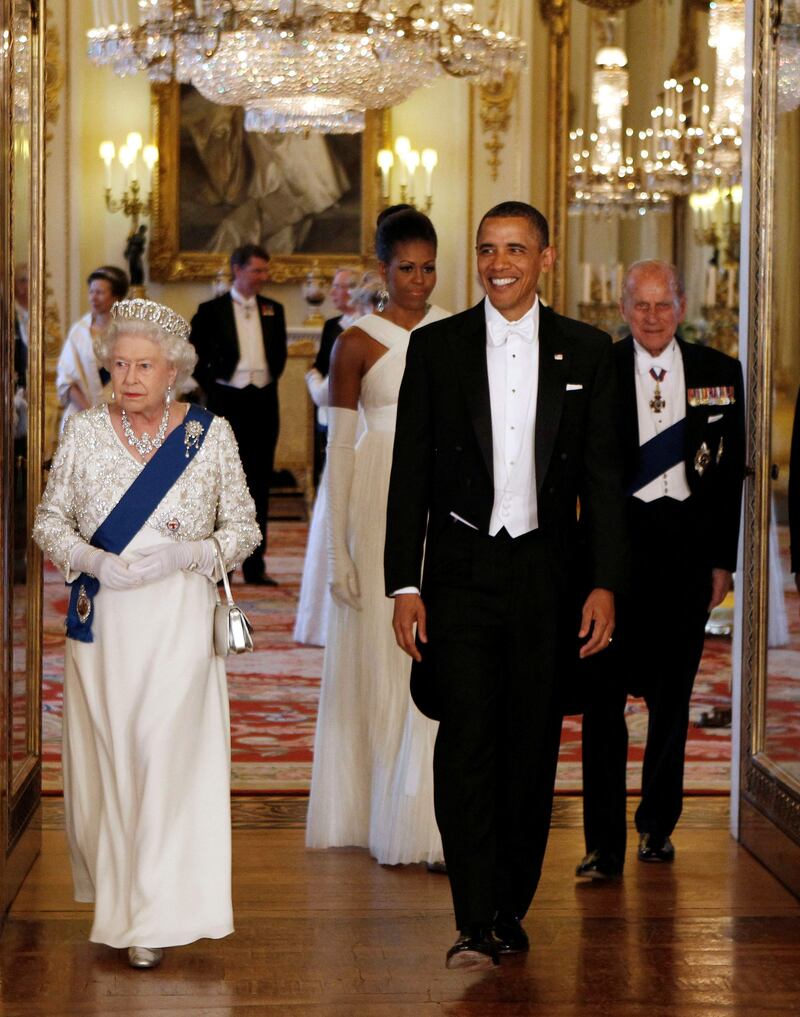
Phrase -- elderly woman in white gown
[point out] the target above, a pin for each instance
(139, 492)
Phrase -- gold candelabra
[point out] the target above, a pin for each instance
(407, 161)
(132, 204)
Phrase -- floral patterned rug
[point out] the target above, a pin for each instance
(274, 693)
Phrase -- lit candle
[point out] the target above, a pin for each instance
(429, 160)
(731, 286)
(603, 283)
(126, 158)
(402, 146)
(150, 157)
(412, 162)
(98, 18)
(107, 155)
(385, 162)
(711, 286)
(620, 275)
(587, 283)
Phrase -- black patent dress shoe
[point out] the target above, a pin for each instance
(510, 936)
(474, 949)
(599, 865)
(655, 849)
(262, 580)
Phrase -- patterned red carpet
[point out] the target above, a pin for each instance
(274, 693)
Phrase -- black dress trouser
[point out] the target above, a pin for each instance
(253, 414)
(656, 653)
(493, 624)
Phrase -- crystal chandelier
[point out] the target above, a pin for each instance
(606, 173)
(302, 65)
(726, 35)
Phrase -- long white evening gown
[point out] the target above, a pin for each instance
(313, 604)
(372, 778)
(146, 744)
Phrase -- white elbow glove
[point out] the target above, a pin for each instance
(342, 575)
(109, 568)
(317, 385)
(163, 559)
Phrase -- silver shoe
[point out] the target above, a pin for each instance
(145, 956)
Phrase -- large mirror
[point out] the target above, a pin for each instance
(646, 171)
(21, 383)
(770, 766)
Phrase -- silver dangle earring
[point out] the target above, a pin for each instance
(113, 395)
(383, 299)
(170, 394)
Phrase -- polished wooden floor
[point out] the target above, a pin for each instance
(334, 935)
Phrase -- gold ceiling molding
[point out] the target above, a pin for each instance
(496, 99)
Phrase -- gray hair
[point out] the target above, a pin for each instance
(178, 351)
(365, 294)
(650, 265)
(350, 271)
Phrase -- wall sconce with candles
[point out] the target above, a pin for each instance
(131, 203)
(407, 161)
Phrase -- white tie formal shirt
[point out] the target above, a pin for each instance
(673, 483)
(512, 361)
(252, 368)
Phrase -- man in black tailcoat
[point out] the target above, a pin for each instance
(681, 423)
(505, 420)
(240, 340)
(344, 281)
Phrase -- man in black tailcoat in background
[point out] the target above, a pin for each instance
(505, 419)
(681, 422)
(240, 340)
(344, 280)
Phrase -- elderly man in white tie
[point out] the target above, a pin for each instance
(505, 419)
(681, 426)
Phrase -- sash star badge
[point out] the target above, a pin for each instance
(702, 458)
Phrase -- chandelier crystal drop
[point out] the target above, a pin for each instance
(300, 65)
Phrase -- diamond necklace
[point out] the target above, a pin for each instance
(145, 445)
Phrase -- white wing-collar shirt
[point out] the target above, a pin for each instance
(252, 368)
(512, 361)
(671, 484)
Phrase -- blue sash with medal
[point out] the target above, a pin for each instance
(658, 455)
(134, 509)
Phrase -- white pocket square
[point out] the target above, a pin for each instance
(715, 417)
(573, 388)
(459, 519)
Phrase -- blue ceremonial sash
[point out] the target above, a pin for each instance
(134, 509)
(659, 455)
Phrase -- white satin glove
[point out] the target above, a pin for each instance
(162, 560)
(317, 385)
(109, 568)
(342, 574)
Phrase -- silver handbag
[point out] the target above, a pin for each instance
(233, 632)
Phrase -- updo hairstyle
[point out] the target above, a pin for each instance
(401, 228)
(116, 278)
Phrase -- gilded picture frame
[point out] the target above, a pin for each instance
(172, 260)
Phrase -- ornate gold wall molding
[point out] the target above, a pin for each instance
(495, 112)
(556, 14)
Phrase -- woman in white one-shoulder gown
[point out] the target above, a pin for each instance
(372, 781)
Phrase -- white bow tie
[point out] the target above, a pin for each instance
(498, 332)
(246, 302)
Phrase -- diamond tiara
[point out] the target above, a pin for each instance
(156, 314)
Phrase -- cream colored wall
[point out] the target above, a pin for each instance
(446, 116)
